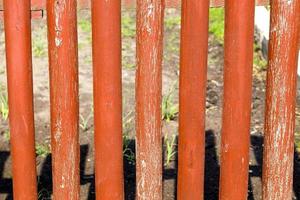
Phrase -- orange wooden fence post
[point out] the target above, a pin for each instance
(63, 61)
(148, 99)
(239, 34)
(20, 97)
(106, 18)
(193, 75)
(280, 100)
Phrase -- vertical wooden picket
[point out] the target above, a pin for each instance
(280, 100)
(193, 75)
(148, 99)
(106, 20)
(63, 66)
(20, 97)
(238, 62)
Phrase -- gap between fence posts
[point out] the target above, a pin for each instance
(106, 31)
(63, 67)
(238, 63)
(20, 97)
(192, 98)
(278, 155)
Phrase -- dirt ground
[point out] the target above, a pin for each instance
(170, 89)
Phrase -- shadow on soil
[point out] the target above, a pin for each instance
(211, 172)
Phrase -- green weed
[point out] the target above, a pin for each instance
(84, 121)
(169, 109)
(39, 46)
(6, 135)
(2, 70)
(171, 22)
(259, 61)
(128, 26)
(170, 144)
(42, 150)
(129, 65)
(42, 193)
(85, 25)
(127, 150)
(4, 106)
(216, 23)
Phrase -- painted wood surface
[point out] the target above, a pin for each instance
(64, 100)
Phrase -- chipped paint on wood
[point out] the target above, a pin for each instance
(280, 100)
(148, 99)
(63, 67)
(59, 9)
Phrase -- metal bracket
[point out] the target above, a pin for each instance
(35, 14)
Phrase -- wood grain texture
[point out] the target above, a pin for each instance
(278, 155)
(148, 100)
(64, 101)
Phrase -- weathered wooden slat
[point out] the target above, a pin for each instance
(64, 101)
(278, 155)
(148, 100)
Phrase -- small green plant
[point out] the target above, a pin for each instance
(129, 65)
(297, 145)
(169, 109)
(216, 23)
(259, 61)
(127, 150)
(128, 26)
(172, 40)
(170, 144)
(85, 121)
(42, 193)
(85, 25)
(172, 46)
(87, 60)
(172, 21)
(4, 106)
(39, 46)
(6, 135)
(42, 150)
